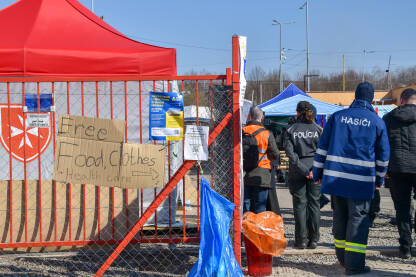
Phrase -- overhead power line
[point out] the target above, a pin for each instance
(346, 52)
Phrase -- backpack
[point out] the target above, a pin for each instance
(250, 150)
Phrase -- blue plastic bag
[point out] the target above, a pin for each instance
(216, 254)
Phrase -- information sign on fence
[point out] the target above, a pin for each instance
(35, 120)
(166, 116)
(196, 143)
(91, 151)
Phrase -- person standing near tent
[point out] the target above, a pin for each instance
(401, 127)
(350, 162)
(258, 175)
(301, 141)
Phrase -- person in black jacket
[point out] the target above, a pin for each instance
(401, 127)
(300, 144)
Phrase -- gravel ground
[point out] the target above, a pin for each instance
(327, 265)
(382, 234)
(159, 260)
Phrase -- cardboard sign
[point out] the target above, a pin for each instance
(143, 165)
(82, 127)
(103, 159)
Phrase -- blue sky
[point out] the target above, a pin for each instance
(201, 31)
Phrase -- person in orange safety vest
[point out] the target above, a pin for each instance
(257, 180)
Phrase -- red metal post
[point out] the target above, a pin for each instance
(112, 189)
(236, 147)
(25, 163)
(84, 218)
(126, 191)
(39, 171)
(69, 184)
(155, 191)
(141, 141)
(198, 208)
(169, 175)
(211, 151)
(10, 164)
(183, 158)
(98, 188)
(54, 147)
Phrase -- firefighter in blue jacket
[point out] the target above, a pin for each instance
(351, 162)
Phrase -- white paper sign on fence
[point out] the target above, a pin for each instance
(196, 143)
(35, 120)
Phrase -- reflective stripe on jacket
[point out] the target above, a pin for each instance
(262, 143)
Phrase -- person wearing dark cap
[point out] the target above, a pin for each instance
(401, 128)
(300, 143)
(350, 163)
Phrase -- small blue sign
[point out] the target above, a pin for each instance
(32, 100)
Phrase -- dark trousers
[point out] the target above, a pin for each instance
(350, 229)
(306, 209)
(375, 206)
(256, 195)
(273, 202)
(401, 189)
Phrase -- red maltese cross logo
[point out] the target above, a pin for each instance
(23, 142)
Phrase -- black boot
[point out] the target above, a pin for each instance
(364, 270)
(404, 252)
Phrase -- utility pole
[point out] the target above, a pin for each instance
(307, 44)
(364, 67)
(343, 72)
(261, 93)
(280, 69)
(92, 5)
(275, 22)
(307, 47)
(389, 75)
(252, 97)
(365, 54)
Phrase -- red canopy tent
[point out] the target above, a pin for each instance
(63, 38)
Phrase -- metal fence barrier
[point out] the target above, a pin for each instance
(88, 222)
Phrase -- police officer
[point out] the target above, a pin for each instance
(300, 145)
(350, 162)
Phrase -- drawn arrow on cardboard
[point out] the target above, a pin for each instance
(151, 172)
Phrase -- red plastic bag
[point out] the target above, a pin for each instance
(266, 231)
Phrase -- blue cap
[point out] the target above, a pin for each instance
(365, 91)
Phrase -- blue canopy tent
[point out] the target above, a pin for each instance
(290, 91)
(287, 107)
(383, 109)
